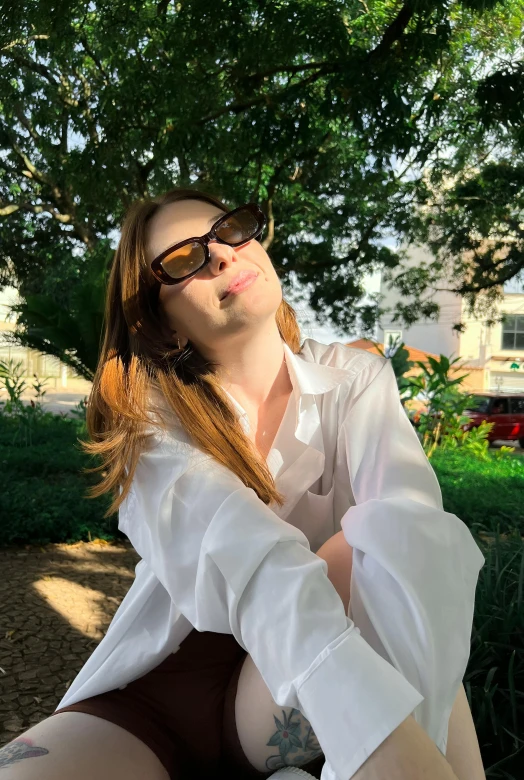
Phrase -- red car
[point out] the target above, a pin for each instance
(506, 410)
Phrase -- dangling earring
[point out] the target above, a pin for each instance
(178, 340)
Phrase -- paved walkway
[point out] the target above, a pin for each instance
(57, 602)
(56, 401)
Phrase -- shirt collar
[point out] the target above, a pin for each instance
(312, 378)
(307, 378)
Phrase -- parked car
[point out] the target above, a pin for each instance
(506, 410)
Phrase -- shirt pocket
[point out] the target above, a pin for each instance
(321, 521)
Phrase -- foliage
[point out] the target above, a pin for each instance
(329, 114)
(494, 679)
(443, 401)
(43, 487)
(399, 356)
(485, 492)
(24, 416)
(11, 377)
(72, 333)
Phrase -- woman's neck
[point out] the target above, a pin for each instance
(256, 373)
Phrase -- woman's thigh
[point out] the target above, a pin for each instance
(75, 745)
(272, 736)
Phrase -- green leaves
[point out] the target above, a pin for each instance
(329, 113)
(401, 364)
(71, 334)
(486, 493)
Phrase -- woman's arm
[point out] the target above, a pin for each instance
(231, 565)
(462, 750)
(415, 566)
(407, 754)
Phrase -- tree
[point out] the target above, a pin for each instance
(472, 215)
(328, 114)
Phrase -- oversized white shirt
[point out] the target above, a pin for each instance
(216, 558)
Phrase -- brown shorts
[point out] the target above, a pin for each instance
(184, 710)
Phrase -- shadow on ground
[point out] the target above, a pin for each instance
(57, 602)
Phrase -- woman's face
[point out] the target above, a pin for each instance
(194, 309)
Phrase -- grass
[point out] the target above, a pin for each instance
(487, 494)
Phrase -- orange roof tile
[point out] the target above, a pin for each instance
(369, 346)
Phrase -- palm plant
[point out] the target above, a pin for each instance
(397, 353)
(71, 334)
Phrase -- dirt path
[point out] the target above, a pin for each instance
(57, 602)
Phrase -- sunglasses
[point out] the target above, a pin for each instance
(185, 259)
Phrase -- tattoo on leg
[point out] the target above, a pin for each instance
(288, 737)
(18, 749)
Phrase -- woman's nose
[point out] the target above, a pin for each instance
(220, 255)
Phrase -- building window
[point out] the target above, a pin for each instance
(513, 332)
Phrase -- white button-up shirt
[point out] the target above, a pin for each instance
(216, 558)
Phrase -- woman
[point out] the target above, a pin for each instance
(302, 600)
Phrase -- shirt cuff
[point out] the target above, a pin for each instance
(354, 699)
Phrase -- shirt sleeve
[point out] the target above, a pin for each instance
(415, 566)
(231, 565)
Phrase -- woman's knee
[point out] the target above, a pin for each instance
(338, 555)
(81, 746)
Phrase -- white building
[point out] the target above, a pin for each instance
(498, 351)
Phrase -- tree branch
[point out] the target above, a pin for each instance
(25, 41)
(10, 208)
(471, 288)
(143, 172)
(86, 110)
(26, 122)
(325, 67)
(162, 7)
(35, 67)
(237, 108)
(393, 32)
(94, 57)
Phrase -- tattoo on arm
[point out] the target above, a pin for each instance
(295, 739)
(18, 749)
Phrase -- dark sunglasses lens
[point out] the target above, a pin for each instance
(235, 230)
(239, 228)
(184, 260)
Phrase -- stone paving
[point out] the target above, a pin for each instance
(56, 604)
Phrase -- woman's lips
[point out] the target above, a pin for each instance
(243, 280)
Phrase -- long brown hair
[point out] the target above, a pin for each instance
(138, 355)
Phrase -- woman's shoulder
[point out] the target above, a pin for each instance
(339, 355)
(164, 430)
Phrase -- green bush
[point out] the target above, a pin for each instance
(494, 679)
(486, 493)
(42, 486)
